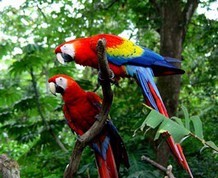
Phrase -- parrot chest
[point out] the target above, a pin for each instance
(80, 116)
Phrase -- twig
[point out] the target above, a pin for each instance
(167, 170)
(40, 10)
(102, 117)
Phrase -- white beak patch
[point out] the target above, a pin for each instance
(60, 58)
(52, 88)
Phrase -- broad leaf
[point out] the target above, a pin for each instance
(197, 126)
(175, 130)
(212, 145)
(187, 120)
(178, 120)
(153, 119)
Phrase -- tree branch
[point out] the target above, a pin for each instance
(80, 144)
(168, 170)
(105, 6)
(189, 10)
(40, 10)
(156, 5)
(38, 105)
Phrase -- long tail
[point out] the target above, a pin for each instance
(152, 97)
(110, 152)
(106, 166)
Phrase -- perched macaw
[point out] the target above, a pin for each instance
(80, 110)
(126, 59)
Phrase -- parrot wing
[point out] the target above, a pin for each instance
(113, 137)
(121, 51)
(70, 121)
(153, 99)
(95, 100)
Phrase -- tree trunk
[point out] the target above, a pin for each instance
(175, 17)
(171, 41)
(170, 46)
(8, 167)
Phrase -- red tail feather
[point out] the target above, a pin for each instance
(107, 168)
(176, 148)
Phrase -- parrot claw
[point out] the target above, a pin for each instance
(79, 138)
(97, 87)
(97, 117)
(112, 77)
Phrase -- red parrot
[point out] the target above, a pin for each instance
(80, 110)
(126, 59)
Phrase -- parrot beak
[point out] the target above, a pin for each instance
(63, 58)
(52, 88)
(60, 58)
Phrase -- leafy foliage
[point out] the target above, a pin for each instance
(31, 121)
(175, 127)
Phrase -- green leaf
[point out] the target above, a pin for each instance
(212, 145)
(27, 62)
(31, 48)
(25, 104)
(175, 130)
(153, 119)
(5, 114)
(157, 135)
(197, 126)
(9, 95)
(178, 120)
(187, 120)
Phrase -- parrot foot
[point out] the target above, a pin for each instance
(79, 138)
(97, 117)
(97, 87)
(112, 77)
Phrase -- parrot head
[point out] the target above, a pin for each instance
(79, 50)
(65, 52)
(62, 84)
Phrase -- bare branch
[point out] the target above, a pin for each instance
(168, 170)
(75, 158)
(187, 14)
(80, 144)
(40, 10)
(188, 11)
(105, 6)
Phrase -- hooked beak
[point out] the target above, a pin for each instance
(52, 88)
(63, 58)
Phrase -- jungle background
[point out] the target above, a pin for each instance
(32, 126)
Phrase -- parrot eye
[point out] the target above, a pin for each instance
(61, 82)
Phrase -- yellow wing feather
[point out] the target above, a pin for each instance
(126, 49)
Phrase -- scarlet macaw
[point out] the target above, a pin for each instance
(80, 110)
(126, 59)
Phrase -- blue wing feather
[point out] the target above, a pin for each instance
(144, 76)
(156, 62)
(104, 147)
(147, 58)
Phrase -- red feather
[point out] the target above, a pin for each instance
(80, 110)
(176, 148)
(125, 60)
